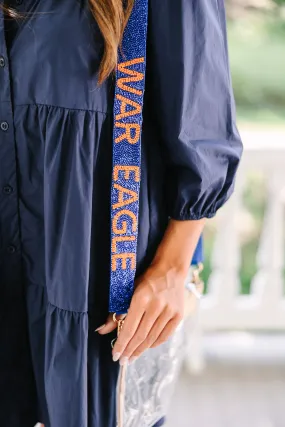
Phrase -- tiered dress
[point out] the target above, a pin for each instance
(55, 176)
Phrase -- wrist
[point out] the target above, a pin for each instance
(171, 266)
(178, 245)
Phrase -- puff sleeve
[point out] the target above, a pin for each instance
(189, 92)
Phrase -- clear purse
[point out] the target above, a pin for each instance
(145, 387)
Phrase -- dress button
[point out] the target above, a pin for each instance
(2, 61)
(11, 249)
(7, 189)
(4, 126)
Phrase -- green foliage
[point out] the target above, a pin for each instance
(258, 63)
(279, 2)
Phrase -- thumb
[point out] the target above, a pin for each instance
(108, 327)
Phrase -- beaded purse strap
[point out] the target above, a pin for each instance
(126, 172)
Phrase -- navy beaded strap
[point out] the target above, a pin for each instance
(126, 173)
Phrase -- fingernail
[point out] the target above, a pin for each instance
(100, 327)
(124, 361)
(116, 356)
(133, 359)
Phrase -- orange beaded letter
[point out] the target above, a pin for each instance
(124, 257)
(123, 229)
(132, 196)
(129, 127)
(118, 239)
(136, 76)
(136, 108)
(127, 170)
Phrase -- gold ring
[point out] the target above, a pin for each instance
(115, 320)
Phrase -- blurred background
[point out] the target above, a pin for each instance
(234, 373)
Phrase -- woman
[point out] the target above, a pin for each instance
(57, 90)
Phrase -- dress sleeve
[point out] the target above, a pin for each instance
(189, 92)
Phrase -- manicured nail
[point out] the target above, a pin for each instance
(124, 361)
(100, 327)
(133, 359)
(116, 356)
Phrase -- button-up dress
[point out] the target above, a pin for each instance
(55, 176)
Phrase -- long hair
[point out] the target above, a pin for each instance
(112, 17)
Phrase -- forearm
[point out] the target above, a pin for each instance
(177, 247)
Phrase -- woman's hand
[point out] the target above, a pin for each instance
(158, 301)
(156, 310)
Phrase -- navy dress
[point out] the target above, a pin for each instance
(55, 169)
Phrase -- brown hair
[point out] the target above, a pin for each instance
(112, 17)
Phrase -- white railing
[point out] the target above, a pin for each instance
(224, 308)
